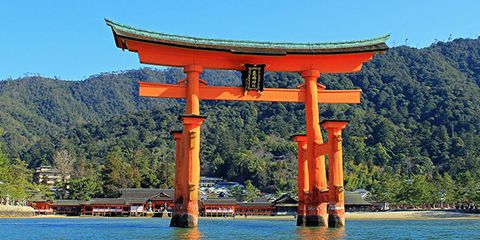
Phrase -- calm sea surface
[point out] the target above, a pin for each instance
(130, 228)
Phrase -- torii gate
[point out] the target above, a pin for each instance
(309, 59)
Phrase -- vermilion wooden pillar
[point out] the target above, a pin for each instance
(193, 88)
(191, 167)
(189, 173)
(178, 194)
(336, 196)
(316, 200)
(302, 177)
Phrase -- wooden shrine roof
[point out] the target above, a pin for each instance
(255, 204)
(245, 47)
(106, 201)
(146, 193)
(220, 201)
(67, 202)
(285, 199)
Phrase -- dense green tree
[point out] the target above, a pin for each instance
(118, 173)
(446, 189)
(83, 188)
(417, 126)
(15, 178)
(251, 191)
(468, 188)
(41, 192)
(238, 193)
(388, 188)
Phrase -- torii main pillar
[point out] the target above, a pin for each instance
(316, 204)
(187, 174)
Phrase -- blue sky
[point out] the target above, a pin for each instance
(70, 40)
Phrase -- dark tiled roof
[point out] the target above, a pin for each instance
(113, 201)
(248, 47)
(260, 199)
(146, 193)
(129, 201)
(255, 204)
(285, 199)
(165, 199)
(286, 204)
(67, 202)
(220, 201)
(351, 198)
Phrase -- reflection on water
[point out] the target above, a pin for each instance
(310, 233)
(320, 233)
(187, 233)
(157, 228)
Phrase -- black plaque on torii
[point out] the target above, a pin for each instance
(253, 77)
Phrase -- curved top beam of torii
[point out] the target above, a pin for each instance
(174, 50)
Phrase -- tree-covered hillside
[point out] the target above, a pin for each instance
(418, 118)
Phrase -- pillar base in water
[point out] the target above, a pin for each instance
(316, 221)
(336, 221)
(301, 220)
(174, 220)
(184, 220)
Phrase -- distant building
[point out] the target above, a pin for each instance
(218, 207)
(257, 207)
(132, 202)
(209, 181)
(285, 205)
(355, 203)
(158, 202)
(47, 175)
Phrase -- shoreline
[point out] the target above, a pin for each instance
(387, 215)
(412, 215)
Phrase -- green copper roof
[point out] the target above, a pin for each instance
(374, 44)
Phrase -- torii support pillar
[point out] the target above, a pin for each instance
(302, 177)
(189, 173)
(317, 197)
(178, 194)
(336, 196)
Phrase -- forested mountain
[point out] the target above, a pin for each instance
(418, 118)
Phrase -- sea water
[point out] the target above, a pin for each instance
(155, 228)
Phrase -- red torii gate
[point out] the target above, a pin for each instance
(309, 59)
